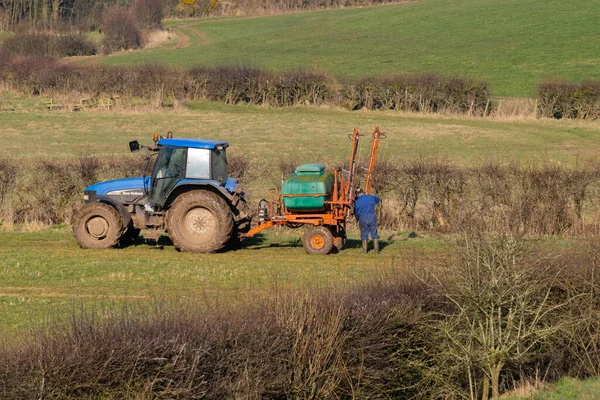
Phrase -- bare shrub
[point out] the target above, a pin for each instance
(56, 187)
(551, 198)
(582, 337)
(427, 93)
(299, 345)
(120, 29)
(49, 44)
(247, 85)
(5, 59)
(70, 44)
(503, 309)
(88, 169)
(235, 85)
(40, 44)
(8, 183)
(432, 194)
(569, 100)
(237, 166)
(148, 13)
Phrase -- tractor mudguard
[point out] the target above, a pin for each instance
(232, 198)
(187, 184)
(125, 216)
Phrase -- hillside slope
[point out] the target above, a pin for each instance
(513, 44)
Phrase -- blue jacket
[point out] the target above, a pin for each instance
(364, 206)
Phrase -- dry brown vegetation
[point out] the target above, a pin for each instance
(425, 194)
(417, 194)
(413, 334)
(235, 85)
(427, 93)
(49, 44)
(569, 100)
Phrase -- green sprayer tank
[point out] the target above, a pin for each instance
(313, 185)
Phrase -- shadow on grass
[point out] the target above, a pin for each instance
(257, 242)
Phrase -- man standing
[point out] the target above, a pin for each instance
(364, 211)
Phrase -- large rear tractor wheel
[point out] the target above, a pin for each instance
(97, 226)
(200, 221)
(318, 240)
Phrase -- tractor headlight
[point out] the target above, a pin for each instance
(89, 195)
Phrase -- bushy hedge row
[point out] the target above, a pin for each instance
(418, 194)
(428, 93)
(430, 333)
(569, 100)
(247, 85)
(426, 194)
(49, 44)
(253, 7)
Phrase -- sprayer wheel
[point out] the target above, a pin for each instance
(318, 240)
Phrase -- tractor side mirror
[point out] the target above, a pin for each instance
(134, 146)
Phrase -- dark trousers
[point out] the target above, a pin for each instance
(368, 226)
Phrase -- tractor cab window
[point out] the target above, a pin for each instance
(219, 165)
(168, 169)
(198, 164)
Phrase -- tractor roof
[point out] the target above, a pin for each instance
(194, 143)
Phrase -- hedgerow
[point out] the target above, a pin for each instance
(235, 85)
(418, 194)
(569, 100)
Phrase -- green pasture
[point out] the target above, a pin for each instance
(46, 272)
(565, 389)
(301, 134)
(512, 44)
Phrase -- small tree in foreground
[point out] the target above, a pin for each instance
(503, 309)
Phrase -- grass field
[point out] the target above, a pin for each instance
(43, 272)
(302, 133)
(45, 275)
(510, 43)
(565, 389)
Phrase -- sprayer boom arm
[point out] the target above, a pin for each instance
(375, 138)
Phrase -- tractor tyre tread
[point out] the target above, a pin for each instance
(90, 210)
(210, 201)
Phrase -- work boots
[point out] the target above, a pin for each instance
(364, 246)
(376, 245)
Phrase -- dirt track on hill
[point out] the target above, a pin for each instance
(184, 41)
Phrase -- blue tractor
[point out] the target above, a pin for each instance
(189, 195)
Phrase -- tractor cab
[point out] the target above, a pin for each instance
(181, 161)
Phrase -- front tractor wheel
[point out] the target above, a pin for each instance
(200, 221)
(97, 226)
(318, 240)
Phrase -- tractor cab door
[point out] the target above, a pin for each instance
(168, 170)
